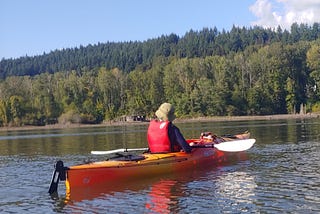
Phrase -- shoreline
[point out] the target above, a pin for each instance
(181, 120)
(244, 118)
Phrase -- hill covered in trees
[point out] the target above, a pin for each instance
(244, 71)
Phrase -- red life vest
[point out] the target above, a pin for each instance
(158, 136)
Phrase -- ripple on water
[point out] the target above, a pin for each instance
(281, 174)
(288, 177)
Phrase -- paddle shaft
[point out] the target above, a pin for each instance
(203, 146)
(117, 150)
(227, 146)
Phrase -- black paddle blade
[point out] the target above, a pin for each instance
(58, 174)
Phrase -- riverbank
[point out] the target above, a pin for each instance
(243, 118)
(203, 119)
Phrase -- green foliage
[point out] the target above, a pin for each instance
(69, 117)
(4, 114)
(242, 72)
(127, 56)
(316, 107)
(313, 62)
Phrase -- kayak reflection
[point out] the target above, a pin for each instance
(160, 197)
(156, 187)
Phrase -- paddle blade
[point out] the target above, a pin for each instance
(235, 145)
(107, 152)
(58, 174)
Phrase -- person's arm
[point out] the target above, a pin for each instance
(180, 139)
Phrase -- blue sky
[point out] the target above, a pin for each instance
(32, 27)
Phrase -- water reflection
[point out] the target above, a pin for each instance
(281, 173)
(154, 195)
(236, 189)
(71, 141)
(160, 197)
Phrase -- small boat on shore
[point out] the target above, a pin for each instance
(124, 166)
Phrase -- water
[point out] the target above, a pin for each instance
(280, 173)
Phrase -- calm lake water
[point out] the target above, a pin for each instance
(281, 173)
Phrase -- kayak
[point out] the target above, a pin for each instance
(124, 166)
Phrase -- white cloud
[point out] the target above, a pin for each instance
(272, 13)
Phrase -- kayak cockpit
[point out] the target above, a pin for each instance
(125, 156)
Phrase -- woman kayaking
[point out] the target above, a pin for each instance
(163, 136)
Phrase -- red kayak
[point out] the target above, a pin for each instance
(207, 151)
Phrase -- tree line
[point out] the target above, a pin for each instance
(225, 74)
(128, 55)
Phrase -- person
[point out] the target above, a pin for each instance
(162, 135)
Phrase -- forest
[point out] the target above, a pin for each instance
(244, 71)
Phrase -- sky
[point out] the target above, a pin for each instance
(34, 27)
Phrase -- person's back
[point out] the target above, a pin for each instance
(163, 136)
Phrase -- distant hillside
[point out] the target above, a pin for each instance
(208, 73)
(126, 56)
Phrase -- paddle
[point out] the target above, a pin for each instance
(117, 150)
(230, 146)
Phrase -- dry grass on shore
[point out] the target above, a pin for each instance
(203, 119)
(265, 117)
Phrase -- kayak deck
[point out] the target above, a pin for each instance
(153, 164)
